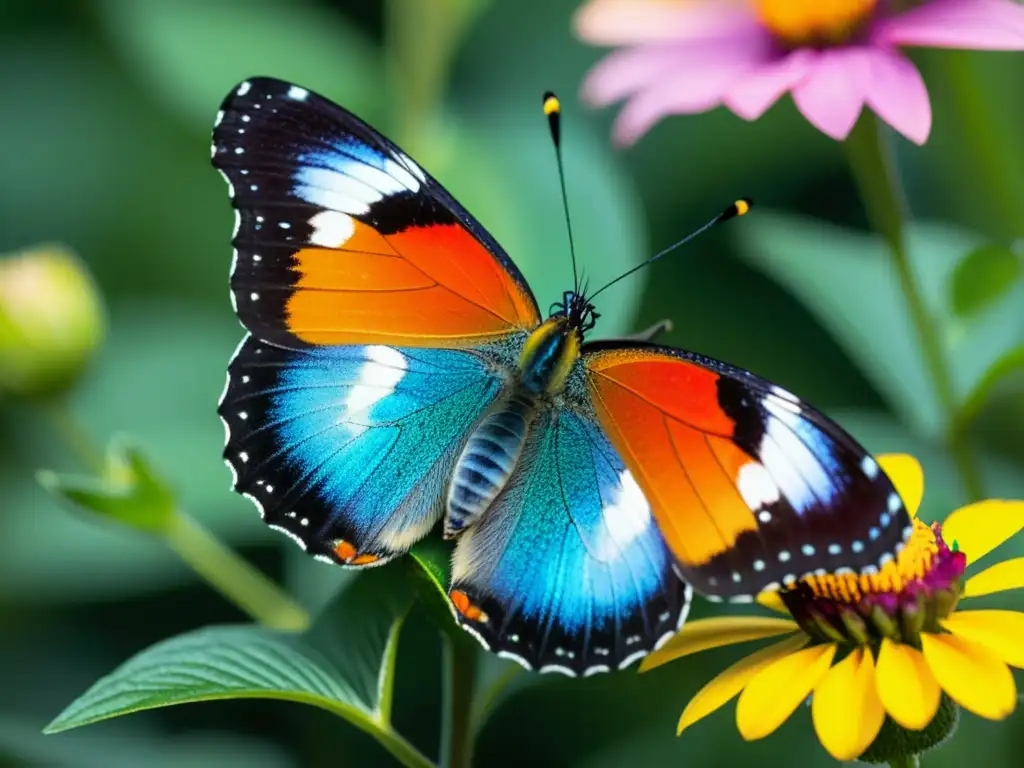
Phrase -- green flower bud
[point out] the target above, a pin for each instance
(51, 321)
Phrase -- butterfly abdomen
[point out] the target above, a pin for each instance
(488, 461)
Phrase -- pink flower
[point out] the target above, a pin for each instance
(835, 56)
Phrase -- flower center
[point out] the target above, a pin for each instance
(814, 22)
(899, 600)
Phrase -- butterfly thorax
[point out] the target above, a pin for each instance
(492, 450)
(548, 355)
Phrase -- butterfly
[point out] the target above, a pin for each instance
(398, 374)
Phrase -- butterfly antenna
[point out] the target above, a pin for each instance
(553, 109)
(739, 208)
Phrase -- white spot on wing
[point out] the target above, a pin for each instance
(331, 229)
(299, 94)
(244, 88)
(626, 519)
(335, 191)
(869, 467)
(557, 668)
(632, 658)
(756, 486)
(289, 534)
(377, 378)
(504, 654)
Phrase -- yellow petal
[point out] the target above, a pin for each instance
(711, 633)
(1001, 632)
(907, 478)
(906, 686)
(730, 682)
(774, 692)
(846, 710)
(772, 601)
(971, 674)
(1008, 574)
(981, 527)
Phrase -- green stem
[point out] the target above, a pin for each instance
(421, 41)
(74, 435)
(401, 749)
(232, 576)
(225, 571)
(906, 761)
(885, 205)
(459, 670)
(488, 698)
(993, 150)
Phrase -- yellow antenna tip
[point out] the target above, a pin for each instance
(551, 104)
(742, 206)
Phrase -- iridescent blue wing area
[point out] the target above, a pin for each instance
(567, 571)
(348, 449)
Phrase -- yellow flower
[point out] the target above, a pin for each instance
(864, 646)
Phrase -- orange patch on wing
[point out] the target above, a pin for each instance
(676, 387)
(464, 606)
(666, 425)
(364, 559)
(442, 288)
(344, 551)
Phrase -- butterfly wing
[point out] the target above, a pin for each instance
(342, 239)
(567, 570)
(751, 487)
(348, 449)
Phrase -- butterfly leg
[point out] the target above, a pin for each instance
(650, 334)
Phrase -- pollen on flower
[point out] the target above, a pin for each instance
(912, 564)
(809, 22)
(906, 595)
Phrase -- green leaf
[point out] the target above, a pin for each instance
(434, 556)
(345, 664)
(130, 491)
(847, 280)
(128, 747)
(982, 277)
(193, 51)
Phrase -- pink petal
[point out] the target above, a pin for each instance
(983, 24)
(832, 95)
(694, 89)
(624, 72)
(626, 22)
(752, 95)
(898, 95)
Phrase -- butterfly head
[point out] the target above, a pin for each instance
(577, 310)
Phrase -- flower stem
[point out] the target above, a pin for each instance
(234, 577)
(885, 205)
(459, 672)
(905, 761)
(992, 151)
(74, 435)
(231, 575)
(421, 41)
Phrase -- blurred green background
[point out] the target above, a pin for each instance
(104, 146)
